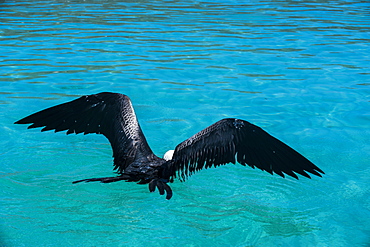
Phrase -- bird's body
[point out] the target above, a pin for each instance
(226, 141)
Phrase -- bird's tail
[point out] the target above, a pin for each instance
(103, 180)
(159, 183)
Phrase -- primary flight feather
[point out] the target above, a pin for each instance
(226, 141)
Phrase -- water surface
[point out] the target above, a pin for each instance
(300, 70)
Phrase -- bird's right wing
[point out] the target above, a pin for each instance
(110, 114)
(230, 140)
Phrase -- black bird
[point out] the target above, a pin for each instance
(226, 141)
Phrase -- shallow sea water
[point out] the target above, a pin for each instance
(299, 69)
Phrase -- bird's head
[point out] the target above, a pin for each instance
(168, 155)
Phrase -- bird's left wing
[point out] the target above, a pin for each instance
(110, 114)
(230, 140)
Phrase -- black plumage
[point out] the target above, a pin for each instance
(226, 141)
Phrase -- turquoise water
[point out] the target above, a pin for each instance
(299, 69)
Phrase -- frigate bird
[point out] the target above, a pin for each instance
(229, 140)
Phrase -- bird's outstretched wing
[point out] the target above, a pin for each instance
(110, 114)
(230, 140)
